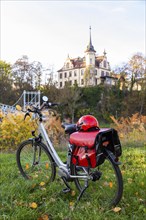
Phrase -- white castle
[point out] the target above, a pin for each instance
(89, 70)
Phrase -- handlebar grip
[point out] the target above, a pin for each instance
(52, 104)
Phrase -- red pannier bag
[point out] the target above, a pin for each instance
(84, 153)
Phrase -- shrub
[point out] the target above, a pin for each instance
(13, 130)
(132, 130)
(55, 130)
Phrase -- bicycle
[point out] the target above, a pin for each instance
(92, 158)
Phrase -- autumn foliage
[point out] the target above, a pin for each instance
(131, 129)
(14, 129)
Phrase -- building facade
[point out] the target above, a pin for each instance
(89, 70)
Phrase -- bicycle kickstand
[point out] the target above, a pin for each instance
(68, 189)
(83, 190)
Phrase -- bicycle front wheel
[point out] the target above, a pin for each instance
(35, 162)
(108, 188)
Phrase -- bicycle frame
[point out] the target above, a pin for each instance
(50, 146)
(54, 154)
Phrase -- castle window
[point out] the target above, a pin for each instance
(65, 74)
(90, 60)
(60, 84)
(104, 63)
(60, 75)
(70, 82)
(82, 72)
(82, 81)
(107, 73)
(95, 72)
(70, 74)
(75, 73)
(102, 73)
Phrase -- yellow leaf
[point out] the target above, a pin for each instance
(47, 165)
(73, 193)
(110, 184)
(130, 180)
(35, 176)
(26, 166)
(117, 209)
(43, 217)
(71, 204)
(33, 205)
(42, 184)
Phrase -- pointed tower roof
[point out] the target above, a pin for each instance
(90, 47)
(104, 53)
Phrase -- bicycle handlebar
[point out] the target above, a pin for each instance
(38, 110)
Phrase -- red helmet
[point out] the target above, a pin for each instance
(86, 122)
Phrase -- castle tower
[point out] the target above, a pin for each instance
(90, 52)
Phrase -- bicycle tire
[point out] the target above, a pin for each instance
(43, 170)
(104, 183)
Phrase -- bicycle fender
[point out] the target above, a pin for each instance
(112, 157)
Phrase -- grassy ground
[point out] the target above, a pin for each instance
(21, 199)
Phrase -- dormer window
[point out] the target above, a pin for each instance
(67, 65)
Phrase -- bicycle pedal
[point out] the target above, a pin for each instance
(66, 190)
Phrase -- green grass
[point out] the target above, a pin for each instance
(16, 194)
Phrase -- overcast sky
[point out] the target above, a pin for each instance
(47, 31)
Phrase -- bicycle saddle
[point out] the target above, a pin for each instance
(69, 128)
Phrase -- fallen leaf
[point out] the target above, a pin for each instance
(47, 165)
(71, 206)
(42, 184)
(130, 180)
(116, 209)
(43, 217)
(33, 205)
(122, 171)
(73, 193)
(110, 184)
(26, 166)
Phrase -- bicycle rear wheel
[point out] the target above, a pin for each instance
(108, 189)
(35, 162)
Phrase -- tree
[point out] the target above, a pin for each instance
(26, 73)
(51, 91)
(71, 97)
(37, 70)
(5, 83)
(134, 69)
(89, 75)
